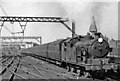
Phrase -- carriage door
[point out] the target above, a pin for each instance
(78, 55)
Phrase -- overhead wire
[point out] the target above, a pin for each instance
(11, 22)
(4, 25)
(7, 29)
(13, 33)
(6, 15)
(3, 10)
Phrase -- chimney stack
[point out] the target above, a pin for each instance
(73, 28)
(93, 27)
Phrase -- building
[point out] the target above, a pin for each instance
(115, 44)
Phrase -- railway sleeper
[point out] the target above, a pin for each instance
(12, 76)
(5, 59)
(72, 67)
(17, 74)
(10, 63)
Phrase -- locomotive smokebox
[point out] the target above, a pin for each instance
(73, 28)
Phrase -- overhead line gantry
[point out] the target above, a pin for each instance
(21, 37)
(19, 19)
(33, 19)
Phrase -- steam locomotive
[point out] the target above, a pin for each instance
(86, 55)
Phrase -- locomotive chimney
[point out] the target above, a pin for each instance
(73, 28)
(93, 27)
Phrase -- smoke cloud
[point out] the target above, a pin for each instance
(80, 11)
(97, 10)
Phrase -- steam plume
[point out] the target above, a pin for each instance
(80, 11)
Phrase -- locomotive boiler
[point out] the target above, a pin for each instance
(83, 54)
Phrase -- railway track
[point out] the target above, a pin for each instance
(28, 68)
(75, 75)
(50, 70)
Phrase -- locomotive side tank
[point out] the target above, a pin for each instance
(84, 47)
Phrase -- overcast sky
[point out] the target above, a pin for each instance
(106, 15)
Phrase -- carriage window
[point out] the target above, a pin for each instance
(65, 49)
(65, 44)
(71, 45)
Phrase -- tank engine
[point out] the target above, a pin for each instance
(86, 54)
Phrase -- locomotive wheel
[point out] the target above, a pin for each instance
(74, 70)
(81, 73)
(64, 65)
(98, 74)
(57, 63)
(68, 68)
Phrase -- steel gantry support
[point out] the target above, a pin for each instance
(31, 19)
(25, 20)
(39, 39)
(1, 25)
(21, 37)
(13, 19)
(23, 27)
(34, 19)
